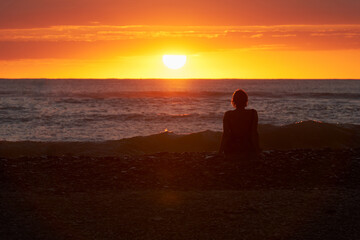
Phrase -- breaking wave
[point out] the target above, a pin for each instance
(305, 135)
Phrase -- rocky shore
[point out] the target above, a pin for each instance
(285, 194)
(186, 171)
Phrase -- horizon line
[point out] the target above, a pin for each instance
(41, 78)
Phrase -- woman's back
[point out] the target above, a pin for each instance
(240, 127)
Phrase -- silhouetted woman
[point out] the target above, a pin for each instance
(240, 136)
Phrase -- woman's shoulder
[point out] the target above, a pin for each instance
(228, 113)
(234, 112)
(252, 112)
(247, 110)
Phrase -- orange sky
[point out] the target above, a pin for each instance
(222, 39)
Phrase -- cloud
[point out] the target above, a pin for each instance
(259, 35)
(106, 41)
(336, 34)
(105, 32)
(43, 13)
(90, 33)
(283, 35)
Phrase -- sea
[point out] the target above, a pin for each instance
(95, 110)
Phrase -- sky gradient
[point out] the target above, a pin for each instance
(222, 39)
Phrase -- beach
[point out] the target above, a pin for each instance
(285, 194)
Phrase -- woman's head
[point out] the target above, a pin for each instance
(239, 99)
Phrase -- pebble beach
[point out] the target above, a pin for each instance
(285, 194)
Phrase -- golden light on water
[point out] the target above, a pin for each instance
(174, 61)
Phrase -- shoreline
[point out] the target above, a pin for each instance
(302, 135)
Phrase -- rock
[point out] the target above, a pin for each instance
(157, 218)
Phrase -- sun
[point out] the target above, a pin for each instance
(174, 61)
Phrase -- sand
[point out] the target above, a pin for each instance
(297, 194)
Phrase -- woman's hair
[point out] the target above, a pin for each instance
(239, 99)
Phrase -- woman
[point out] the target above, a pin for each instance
(240, 137)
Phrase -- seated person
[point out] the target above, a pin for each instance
(240, 136)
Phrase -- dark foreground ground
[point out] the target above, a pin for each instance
(297, 194)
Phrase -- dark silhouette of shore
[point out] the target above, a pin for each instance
(286, 194)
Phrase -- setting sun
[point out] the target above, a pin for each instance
(174, 61)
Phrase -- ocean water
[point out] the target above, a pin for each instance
(110, 109)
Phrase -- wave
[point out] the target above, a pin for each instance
(79, 97)
(326, 95)
(164, 117)
(304, 135)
